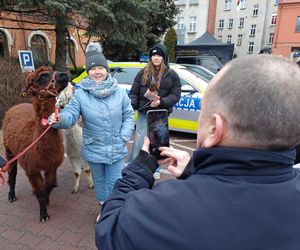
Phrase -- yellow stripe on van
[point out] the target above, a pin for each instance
(112, 65)
(183, 124)
(178, 124)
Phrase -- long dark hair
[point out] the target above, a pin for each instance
(151, 73)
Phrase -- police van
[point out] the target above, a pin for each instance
(186, 111)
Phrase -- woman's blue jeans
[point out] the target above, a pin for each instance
(104, 177)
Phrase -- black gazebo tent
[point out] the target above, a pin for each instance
(206, 45)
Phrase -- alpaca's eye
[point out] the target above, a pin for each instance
(44, 78)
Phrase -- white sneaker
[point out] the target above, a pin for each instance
(156, 175)
(98, 218)
(100, 204)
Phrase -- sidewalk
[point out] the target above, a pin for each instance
(72, 216)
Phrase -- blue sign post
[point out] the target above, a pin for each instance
(26, 60)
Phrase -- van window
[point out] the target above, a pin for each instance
(210, 62)
(188, 60)
(124, 75)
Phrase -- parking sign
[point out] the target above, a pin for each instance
(26, 60)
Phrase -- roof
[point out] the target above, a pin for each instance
(205, 39)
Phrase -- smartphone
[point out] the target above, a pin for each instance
(158, 130)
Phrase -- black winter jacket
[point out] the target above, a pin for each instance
(169, 92)
(237, 199)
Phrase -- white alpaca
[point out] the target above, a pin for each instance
(72, 143)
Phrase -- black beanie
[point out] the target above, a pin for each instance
(157, 51)
(160, 49)
(94, 56)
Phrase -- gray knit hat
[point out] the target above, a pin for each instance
(94, 56)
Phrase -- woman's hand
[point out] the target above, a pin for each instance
(155, 104)
(53, 118)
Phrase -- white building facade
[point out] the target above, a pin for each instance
(250, 26)
(192, 19)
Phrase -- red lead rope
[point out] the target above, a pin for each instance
(4, 168)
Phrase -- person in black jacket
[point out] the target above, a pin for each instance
(239, 190)
(155, 87)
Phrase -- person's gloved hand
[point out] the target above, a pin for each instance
(53, 118)
(144, 159)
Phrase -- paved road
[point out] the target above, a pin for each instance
(71, 225)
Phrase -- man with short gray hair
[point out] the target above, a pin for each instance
(239, 190)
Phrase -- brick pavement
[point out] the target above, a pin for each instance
(72, 216)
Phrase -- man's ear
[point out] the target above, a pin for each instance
(216, 131)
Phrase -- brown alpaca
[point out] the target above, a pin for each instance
(22, 124)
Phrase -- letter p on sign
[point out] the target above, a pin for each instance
(26, 60)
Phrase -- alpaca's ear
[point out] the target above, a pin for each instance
(27, 90)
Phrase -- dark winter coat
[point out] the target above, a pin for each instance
(237, 199)
(169, 92)
(170, 87)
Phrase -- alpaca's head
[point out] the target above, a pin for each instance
(65, 95)
(46, 83)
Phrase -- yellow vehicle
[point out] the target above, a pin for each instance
(186, 111)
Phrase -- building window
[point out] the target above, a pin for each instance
(273, 20)
(192, 25)
(194, 2)
(228, 5)
(298, 24)
(180, 23)
(242, 22)
(39, 49)
(255, 9)
(250, 47)
(180, 2)
(271, 38)
(221, 23)
(70, 53)
(253, 30)
(180, 36)
(3, 45)
(230, 23)
(240, 39)
(243, 4)
(276, 2)
(220, 38)
(229, 37)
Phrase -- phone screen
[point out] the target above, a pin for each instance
(158, 130)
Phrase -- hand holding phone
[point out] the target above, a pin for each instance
(158, 131)
(176, 160)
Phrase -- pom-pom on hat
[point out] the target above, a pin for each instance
(95, 57)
